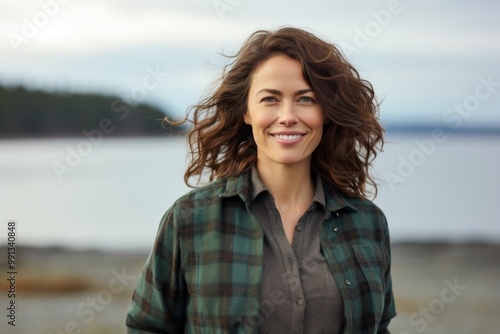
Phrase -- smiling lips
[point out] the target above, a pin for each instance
(287, 137)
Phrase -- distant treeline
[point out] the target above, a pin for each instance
(25, 113)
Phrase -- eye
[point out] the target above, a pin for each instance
(307, 99)
(268, 99)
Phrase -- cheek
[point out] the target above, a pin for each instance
(261, 122)
(317, 120)
(318, 137)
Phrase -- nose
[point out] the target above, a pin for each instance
(288, 114)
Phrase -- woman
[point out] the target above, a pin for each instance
(283, 240)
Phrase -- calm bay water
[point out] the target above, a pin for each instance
(115, 196)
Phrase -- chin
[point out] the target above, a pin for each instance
(290, 161)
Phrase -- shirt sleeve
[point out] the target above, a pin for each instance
(389, 311)
(158, 302)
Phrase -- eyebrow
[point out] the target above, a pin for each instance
(277, 92)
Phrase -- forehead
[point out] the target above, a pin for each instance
(279, 72)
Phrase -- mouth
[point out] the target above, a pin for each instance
(287, 137)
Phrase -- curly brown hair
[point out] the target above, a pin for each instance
(221, 143)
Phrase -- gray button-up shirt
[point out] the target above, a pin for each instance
(298, 292)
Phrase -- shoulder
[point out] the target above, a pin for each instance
(359, 216)
(362, 207)
(365, 207)
(209, 208)
(204, 194)
(200, 204)
(211, 198)
(223, 188)
(367, 214)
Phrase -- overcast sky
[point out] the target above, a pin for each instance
(423, 57)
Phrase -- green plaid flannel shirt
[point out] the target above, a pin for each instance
(204, 272)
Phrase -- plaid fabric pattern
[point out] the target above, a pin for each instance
(204, 272)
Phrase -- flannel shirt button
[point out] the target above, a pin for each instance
(300, 302)
(347, 282)
(335, 229)
(298, 228)
(338, 214)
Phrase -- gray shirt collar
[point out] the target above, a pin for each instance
(257, 187)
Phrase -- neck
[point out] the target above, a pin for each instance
(291, 186)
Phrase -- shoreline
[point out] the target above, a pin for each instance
(57, 269)
(57, 286)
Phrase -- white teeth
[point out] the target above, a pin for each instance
(288, 137)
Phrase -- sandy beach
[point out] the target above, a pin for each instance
(439, 288)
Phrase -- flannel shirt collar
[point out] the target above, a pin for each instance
(242, 186)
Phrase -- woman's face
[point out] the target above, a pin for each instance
(286, 119)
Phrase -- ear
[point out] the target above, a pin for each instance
(246, 119)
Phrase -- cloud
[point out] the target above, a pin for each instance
(423, 47)
(92, 26)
